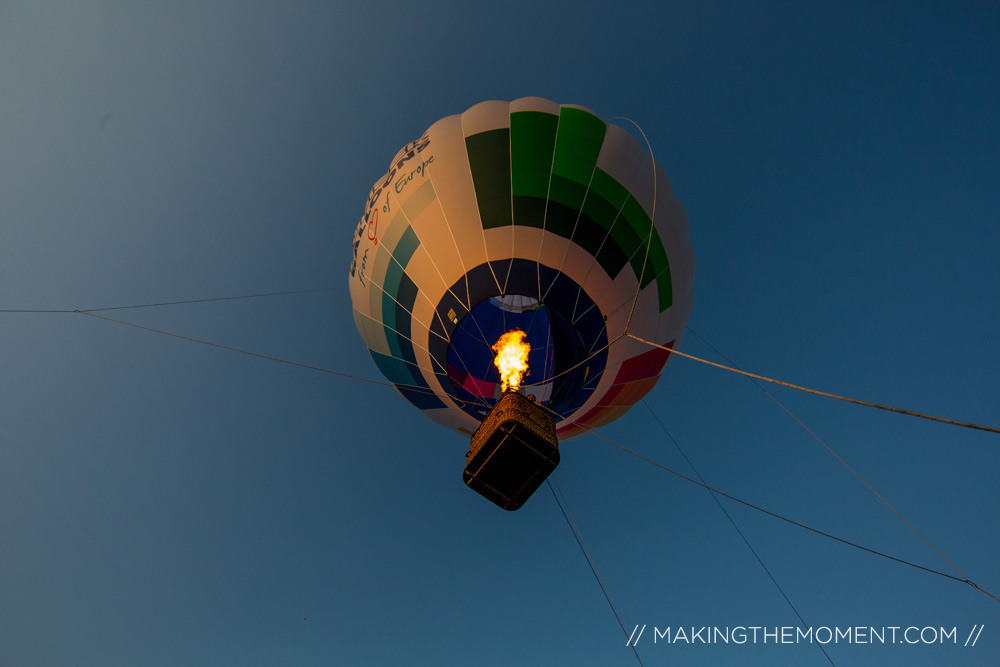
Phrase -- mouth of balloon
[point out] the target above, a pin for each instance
(555, 372)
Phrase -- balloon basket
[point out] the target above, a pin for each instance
(512, 452)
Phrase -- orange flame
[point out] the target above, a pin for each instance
(512, 359)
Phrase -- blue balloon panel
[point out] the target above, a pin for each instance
(556, 347)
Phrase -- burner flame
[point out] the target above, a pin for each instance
(512, 359)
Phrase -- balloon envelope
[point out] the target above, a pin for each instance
(528, 215)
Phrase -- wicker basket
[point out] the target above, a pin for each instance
(512, 452)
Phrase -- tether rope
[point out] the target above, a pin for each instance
(175, 303)
(732, 522)
(256, 354)
(961, 576)
(964, 580)
(846, 465)
(911, 413)
(585, 427)
(578, 536)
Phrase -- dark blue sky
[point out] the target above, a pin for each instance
(165, 503)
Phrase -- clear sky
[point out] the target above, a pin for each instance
(168, 503)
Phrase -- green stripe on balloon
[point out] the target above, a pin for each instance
(489, 160)
(578, 143)
(543, 159)
(532, 142)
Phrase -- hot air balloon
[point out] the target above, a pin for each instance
(525, 215)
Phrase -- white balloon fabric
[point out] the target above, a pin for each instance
(529, 215)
